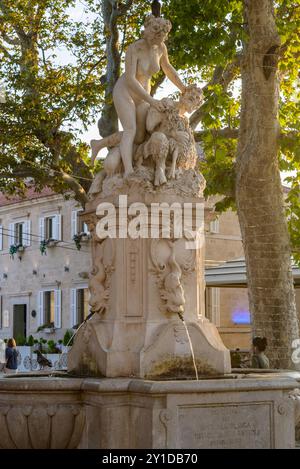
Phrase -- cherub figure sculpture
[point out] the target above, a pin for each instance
(169, 139)
(171, 135)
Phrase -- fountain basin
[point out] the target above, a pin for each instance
(40, 413)
(234, 411)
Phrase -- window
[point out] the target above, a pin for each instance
(19, 233)
(50, 228)
(77, 225)
(49, 307)
(215, 226)
(79, 305)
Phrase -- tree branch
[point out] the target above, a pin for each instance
(229, 133)
(79, 191)
(18, 173)
(5, 51)
(223, 133)
(221, 76)
(17, 27)
(11, 41)
(123, 8)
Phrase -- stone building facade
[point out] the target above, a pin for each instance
(43, 277)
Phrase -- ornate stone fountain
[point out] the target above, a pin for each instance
(147, 294)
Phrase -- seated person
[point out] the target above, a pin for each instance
(259, 359)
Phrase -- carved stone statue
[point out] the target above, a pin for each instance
(142, 287)
(168, 135)
(171, 135)
(131, 94)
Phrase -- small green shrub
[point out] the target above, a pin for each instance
(30, 341)
(52, 348)
(20, 340)
(67, 338)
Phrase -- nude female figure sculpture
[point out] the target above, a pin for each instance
(131, 94)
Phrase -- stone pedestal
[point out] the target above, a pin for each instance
(138, 287)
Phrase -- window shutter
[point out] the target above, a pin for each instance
(215, 226)
(57, 309)
(74, 229)
(86, 228)
(41, 312)
(26, 233)
(57, 227)
(1, 237)
(11, 234)
(42, 229)
(74, 319)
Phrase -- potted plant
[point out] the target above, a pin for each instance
(77, 241)
(43, 247)
(79, 238)
(84, 236)
(51, 242)
(47, 328)
(52, 347)
(47, 243)
(30, 341)
(68, 338)
(16, 248)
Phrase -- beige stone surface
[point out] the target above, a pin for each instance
(241, 412)
(40, 413)
(22, 286)
(143, 285)
(131, 94)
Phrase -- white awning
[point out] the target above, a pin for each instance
(232, 274)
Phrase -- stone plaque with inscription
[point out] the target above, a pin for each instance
(233, 426)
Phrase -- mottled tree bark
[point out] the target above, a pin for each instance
(112, 11)
(108, 122)
(258, 190)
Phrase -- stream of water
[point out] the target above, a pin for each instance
(191, 345)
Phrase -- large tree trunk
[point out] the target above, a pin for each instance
(259, 192)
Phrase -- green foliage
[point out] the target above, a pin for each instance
(49, 325)
(30, 341)
(77, 241)
(52, 348)
(13, 249)
(50, 99)
(206, 36)
(43, 247)
(20, 340)
(67, 338)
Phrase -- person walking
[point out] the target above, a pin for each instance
(11, 356)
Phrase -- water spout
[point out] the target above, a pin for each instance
(191, 345)
(77, 330)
